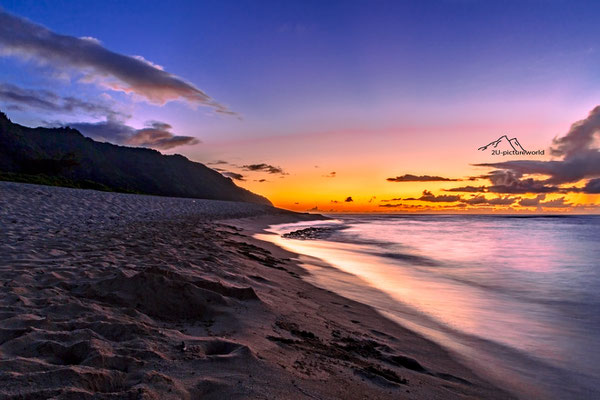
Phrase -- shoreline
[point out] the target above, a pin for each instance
(326, 275)
(258, 229)
(105, 299)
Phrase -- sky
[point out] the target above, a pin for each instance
(348, 106)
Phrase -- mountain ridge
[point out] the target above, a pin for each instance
(65, 157)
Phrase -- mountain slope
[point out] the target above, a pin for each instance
(65, 156)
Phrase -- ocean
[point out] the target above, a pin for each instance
(517, 298)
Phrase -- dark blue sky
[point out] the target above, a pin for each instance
(275, 58)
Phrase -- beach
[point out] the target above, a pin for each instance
(110, 295)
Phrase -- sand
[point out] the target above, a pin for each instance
(116, 296)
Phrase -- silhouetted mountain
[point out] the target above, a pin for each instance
(64, 157)
(513, 143)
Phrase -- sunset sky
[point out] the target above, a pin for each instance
(336, 106)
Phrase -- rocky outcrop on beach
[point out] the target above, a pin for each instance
(311, 233)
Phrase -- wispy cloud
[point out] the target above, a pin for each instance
(15, 97)
(430, 197)
(265, 168)
(419, 178)
(467, 189)
(482, 200)
(25, 39)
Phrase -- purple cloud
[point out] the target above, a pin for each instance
(156, 134)
(30, 41)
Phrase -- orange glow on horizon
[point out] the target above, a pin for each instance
(364, 159)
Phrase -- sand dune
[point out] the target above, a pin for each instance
(111, 296)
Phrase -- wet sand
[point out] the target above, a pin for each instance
(115, 296)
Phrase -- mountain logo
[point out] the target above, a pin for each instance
(505, 146)
(513, 143)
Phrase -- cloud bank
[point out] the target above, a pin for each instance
(580, 159)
